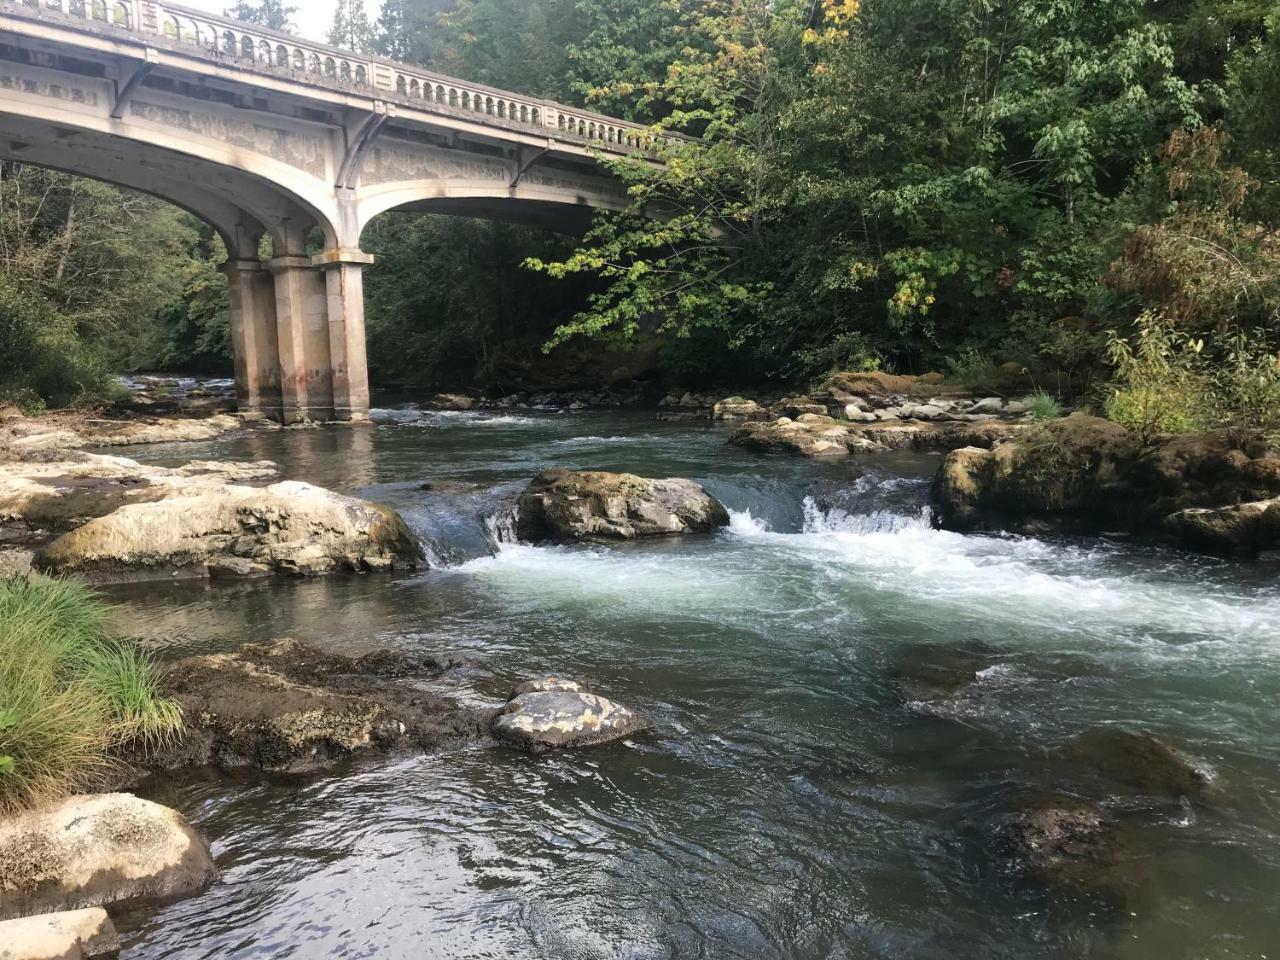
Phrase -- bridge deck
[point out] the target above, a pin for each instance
(274, 53)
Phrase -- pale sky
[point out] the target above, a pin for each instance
(312, 19)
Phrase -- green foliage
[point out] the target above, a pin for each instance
(1159, 385)
(274, 14)
(974, 369)
(1248, 383)
(70, 691)
(449, 305)
(351, 28)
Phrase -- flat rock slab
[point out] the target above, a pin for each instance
(94, 850)
(76, 935)
(289, 707)
(562, 718)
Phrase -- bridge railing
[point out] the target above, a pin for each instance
(274, 52)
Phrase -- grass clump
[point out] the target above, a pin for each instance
(70, 691)
(1044, 407)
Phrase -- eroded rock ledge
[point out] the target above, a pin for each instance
(1216, 491)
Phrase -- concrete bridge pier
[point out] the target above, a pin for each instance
(254, 337)
(297, 327)
(344, 288)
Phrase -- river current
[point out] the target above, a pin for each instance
(787, 804)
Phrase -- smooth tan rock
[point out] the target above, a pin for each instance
(556, 719)
(95, 850)
(566, 506)
(60, 494)
(75, 935)
(130, 433)
(73, 431)
(737, 408)
(810, 435)
(288, 527)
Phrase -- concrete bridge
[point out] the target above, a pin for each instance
(261, 134)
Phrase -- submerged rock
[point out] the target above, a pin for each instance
(1070, 846)
(74, 935)
(291, 707)
(547, 684)
(566, 506)
(558, 718)
(927, 673)
(94, 850)
(1111, 761)
(286, 528)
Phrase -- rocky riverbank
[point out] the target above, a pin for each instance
(1218, 492)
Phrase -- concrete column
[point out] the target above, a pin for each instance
(302, 323)
(344, 283)
(253, 336)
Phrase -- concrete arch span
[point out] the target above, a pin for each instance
(260, 133)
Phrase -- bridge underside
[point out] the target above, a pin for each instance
(569, 219)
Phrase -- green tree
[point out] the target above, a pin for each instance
(352, 28)
(274, 14)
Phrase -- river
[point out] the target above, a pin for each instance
(787, 804)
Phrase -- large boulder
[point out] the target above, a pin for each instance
(450, 401)
(90, 851)
(811, 435)
(74, 935)
(555, 718)
(566, 506)
(290, 707)
(234, 530)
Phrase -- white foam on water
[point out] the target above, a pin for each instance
(1020, 579)
(596, 441)
(415, 416)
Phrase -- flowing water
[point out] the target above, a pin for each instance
(787, 804)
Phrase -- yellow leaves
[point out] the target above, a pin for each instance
(840, 11)
(838, 17)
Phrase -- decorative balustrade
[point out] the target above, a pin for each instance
(278, 53)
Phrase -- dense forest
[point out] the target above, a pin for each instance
(1084, 190)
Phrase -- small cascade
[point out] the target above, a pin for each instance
(835, 520)
(501, 528)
